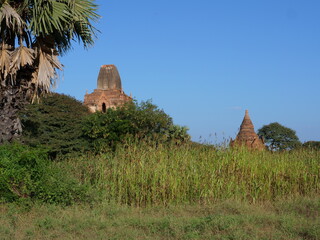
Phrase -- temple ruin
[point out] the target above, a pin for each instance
(109, 93)
(247, 136)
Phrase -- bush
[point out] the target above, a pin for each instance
(55, 122)
(312, 144)
(26, 173)
(141, 121)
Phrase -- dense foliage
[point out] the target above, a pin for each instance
(133, 120)
(56, 123)
(64, 126)
(279, 137)
(27, 174)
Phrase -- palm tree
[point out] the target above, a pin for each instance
(33, 33)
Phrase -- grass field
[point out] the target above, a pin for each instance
(290, 219)
(145, 191)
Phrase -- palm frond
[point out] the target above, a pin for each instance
(44, 29)
(21, 57)
(48, 16)
(5, 60)
(48, 63)
(82, 12)
(11, 18)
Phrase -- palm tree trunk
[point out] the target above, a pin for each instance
(14, 96)
(11, 102)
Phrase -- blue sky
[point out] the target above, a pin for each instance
(204, 62)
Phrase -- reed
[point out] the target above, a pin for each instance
(142, 174)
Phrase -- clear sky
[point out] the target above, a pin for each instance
(204, 62)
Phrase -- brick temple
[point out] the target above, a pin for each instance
(109, 93)
(247, 136)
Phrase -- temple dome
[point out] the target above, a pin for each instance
(109, 78)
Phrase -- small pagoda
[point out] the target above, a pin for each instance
(109, 93)
(247, 136)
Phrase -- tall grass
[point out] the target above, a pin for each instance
(142, 174)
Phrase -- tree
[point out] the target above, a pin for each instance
(64, 126)
(56, 123)
(279, 137)
(33, 33)
(140, 121)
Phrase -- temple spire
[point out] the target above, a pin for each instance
(247, 114)
(247, 128)
(247, 135)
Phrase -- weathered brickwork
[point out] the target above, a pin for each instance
(109, 93)
(247, 136)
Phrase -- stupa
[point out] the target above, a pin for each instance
(247, 136)
(109, 93)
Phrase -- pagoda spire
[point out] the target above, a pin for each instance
(247, 128)
(247, 135)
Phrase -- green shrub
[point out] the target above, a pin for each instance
(56, 123)
(133, 120)
(26, 173)
(312, 144)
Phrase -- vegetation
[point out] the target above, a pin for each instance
(32, 36)
(139, 174)
(135, 121)
(63, 126)
(26, 175)
(291, 219)
(55, 123)
(312, 144)
(279, 137)
(160, 191)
